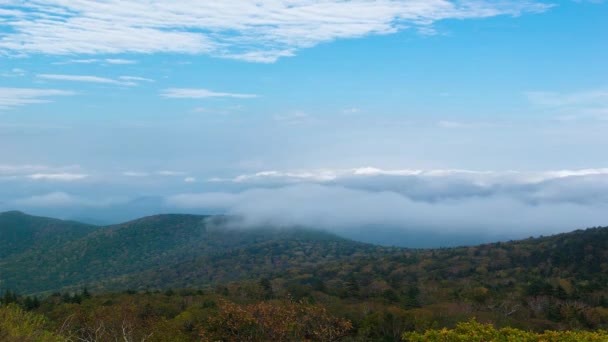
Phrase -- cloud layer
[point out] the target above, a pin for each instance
(360, 202)
(349, 210)
(259, 31)
(506, 204)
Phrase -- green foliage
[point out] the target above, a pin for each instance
(472, 331)
(167, 251)
(22, 233)
(18, 325)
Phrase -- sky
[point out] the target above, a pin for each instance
(478, 117)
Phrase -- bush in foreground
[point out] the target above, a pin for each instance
(17, 324)
(473, 331)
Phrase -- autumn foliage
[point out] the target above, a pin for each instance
(273, 321)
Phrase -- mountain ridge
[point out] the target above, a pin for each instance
(556, 281)
(183, 251)
(135, 246)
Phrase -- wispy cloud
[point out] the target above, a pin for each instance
(190, 93)
(164, 173)
(63, 177)
(13, 97)
(118, 61)
(135, 79)
(80, 61)
(135, 174)
(258, 31)
(483, 178)
(85, 78)
(14, 72)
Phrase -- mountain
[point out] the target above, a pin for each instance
(140, 253)
(554, 282)
(20, 232)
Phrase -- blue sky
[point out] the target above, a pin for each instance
(105, 103)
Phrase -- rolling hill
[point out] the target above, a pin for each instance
(20, 232)
(55, 254)
(558, 281)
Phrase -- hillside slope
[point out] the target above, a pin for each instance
(145, 249)
(20, 232)
(549, 282)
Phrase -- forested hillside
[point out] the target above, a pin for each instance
(183, 270)
(20, 232)
(165, 251)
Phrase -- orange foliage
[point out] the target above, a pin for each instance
(273, 321)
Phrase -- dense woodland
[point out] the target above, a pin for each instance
(190, 278)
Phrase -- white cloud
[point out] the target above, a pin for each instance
(289, 176)
(190, 180)
(80, 61)
(135, 78)
(485, 178)
(135, 174)
(64, 177)
(324, 175)
(13, 97)
(258, 31)
(118, 61)
(189, 93)
(372, 171)
(164, 173)
(340, 208)
(85, 78)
